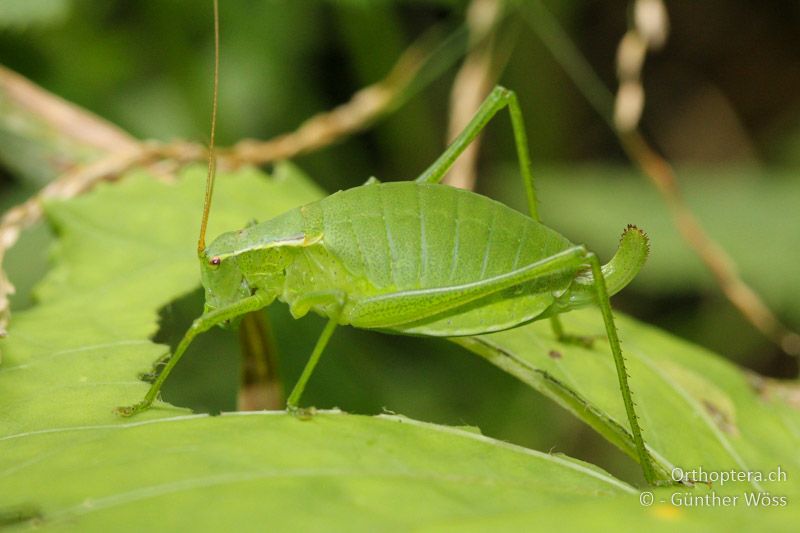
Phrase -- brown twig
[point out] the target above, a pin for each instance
(50, 135)
(716, 259)
(472, 84)
(649, 31)
(66, 119)
(260, 384)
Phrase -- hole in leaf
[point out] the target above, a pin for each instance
(207, 378)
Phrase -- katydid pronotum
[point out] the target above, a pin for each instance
(412, 258)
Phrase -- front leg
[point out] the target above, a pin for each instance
(201, 324)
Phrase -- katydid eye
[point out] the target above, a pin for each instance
(214, 261)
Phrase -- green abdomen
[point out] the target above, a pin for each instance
(383, 239)
(405, 236)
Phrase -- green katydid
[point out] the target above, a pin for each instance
(413, 258)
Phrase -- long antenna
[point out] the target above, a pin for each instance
(212, 160)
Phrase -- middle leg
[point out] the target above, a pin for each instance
(587, 341)
(299, 308)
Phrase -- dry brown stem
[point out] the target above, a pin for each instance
(649, 31)
(472, 84)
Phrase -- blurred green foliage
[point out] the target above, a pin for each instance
(723, 92)
(25, 13)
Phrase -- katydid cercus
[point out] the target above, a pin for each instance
(413, 258)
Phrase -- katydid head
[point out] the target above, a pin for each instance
(235, 266)
(222, 279)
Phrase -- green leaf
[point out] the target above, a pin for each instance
(334, 469)
(699, 411)
(126, 250)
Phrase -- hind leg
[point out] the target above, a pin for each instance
(499, 98)
(645, 460)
